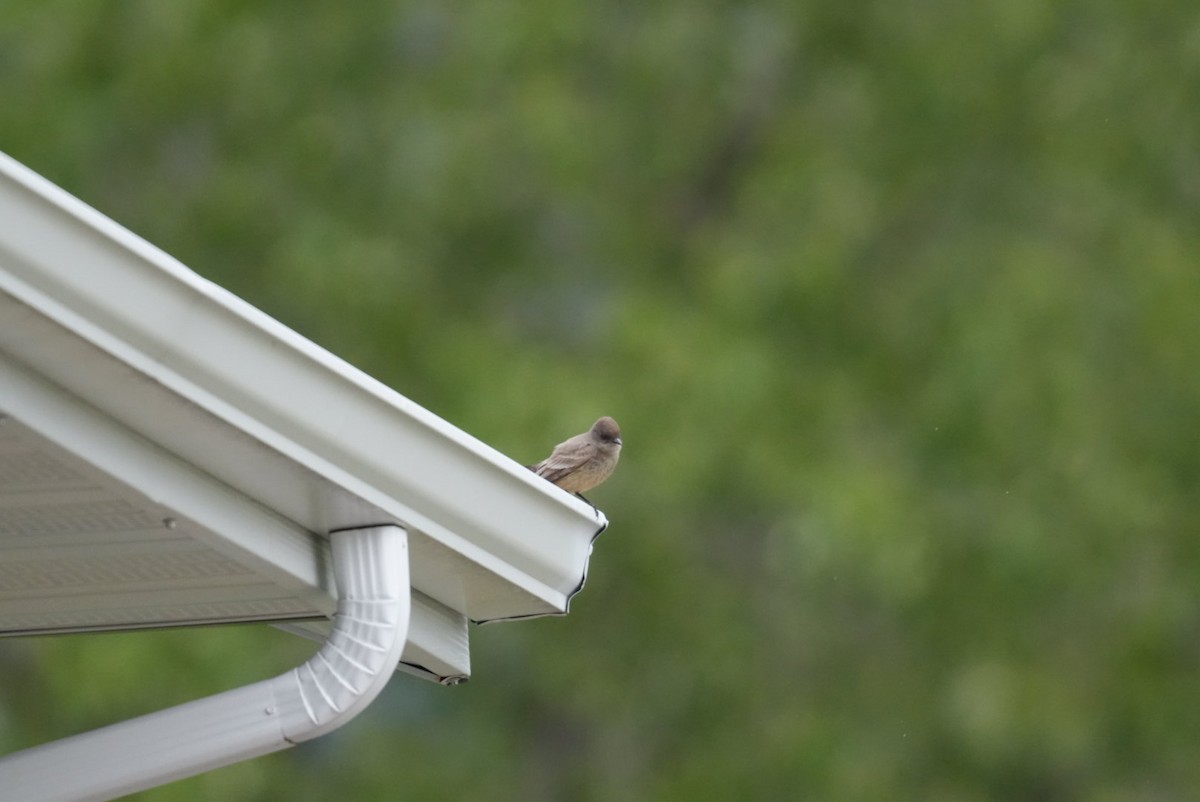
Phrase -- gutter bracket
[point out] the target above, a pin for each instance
(332, 687)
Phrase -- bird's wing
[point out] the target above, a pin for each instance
(566, 457)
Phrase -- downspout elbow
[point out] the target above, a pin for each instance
(360, 655)
(342, 678)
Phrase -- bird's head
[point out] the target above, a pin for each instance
(606, 430)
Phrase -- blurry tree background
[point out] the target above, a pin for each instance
(897, 303)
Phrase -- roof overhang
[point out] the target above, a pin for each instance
(170, 455)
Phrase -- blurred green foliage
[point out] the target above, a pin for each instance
(897, 304)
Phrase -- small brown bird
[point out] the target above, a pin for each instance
(585, 460)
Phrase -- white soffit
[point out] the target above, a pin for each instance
(218, 448)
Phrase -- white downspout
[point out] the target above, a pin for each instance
(349, 671)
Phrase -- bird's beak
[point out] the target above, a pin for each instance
(617, 440)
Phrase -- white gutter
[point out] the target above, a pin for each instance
(107, 317)
(335, 685)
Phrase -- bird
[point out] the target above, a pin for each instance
(585, 460)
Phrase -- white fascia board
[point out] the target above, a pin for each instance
(188, 365)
